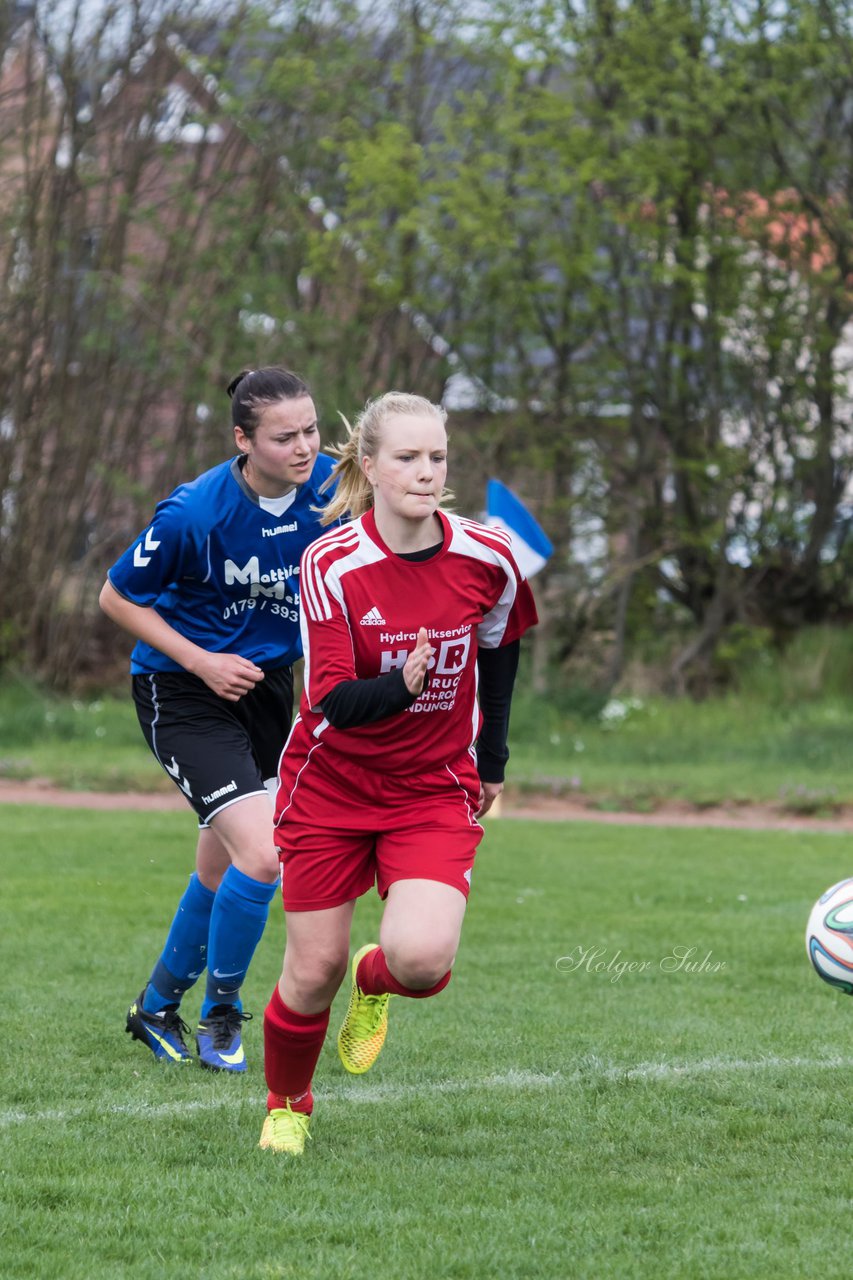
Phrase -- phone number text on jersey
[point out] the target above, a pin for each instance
(287, 609)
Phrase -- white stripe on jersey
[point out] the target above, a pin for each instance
(312, 574)
(353, 552)
(307, 668)
(485, 531)
(356, 550)
(296, 782)
(364, 553)
(475, 715)
(313, 580)
(472, 817)
(489, 546)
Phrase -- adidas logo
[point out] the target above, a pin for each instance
(373, 618)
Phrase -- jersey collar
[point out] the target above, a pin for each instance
(368, 523)
(237, 473)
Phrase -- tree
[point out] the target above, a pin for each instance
(603, 222)
(624, 227)
(160, 240)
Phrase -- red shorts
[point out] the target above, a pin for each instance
(341, 828)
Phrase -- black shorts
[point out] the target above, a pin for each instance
(215, 751)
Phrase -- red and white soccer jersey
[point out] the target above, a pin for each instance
(396, 799)
(362, 606)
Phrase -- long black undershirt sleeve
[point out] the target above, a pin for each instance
(497, 668)
(355, 702)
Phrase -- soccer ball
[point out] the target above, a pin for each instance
(829, 936)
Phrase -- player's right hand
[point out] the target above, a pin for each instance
(228, 675)
(414, 672)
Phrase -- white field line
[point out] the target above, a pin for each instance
(518, 1081)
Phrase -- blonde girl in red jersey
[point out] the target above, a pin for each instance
(411, 619)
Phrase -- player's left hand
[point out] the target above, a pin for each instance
(417, 663)
(489, 792)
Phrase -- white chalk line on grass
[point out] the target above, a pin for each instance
(510, 1080)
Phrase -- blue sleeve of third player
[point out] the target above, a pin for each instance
(162, 554)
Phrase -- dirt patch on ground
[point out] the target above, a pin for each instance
(39, 791)
(675, 814)
(42, 791)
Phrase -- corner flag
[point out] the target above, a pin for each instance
(530, 546)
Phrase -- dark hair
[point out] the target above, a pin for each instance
(253, 389)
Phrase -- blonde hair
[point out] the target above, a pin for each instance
(354, 493)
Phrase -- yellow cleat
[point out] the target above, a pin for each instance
(285, 1130)
(362, 1034)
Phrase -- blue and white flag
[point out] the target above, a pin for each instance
(530, 546)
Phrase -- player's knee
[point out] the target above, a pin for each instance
(332, 969)
(420, 967)
(211, 879)
(316, 973)
(260, 862)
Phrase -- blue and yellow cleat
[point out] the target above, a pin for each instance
(219, 1043)
(163, 1033)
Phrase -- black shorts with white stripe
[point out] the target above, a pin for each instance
(215, 751)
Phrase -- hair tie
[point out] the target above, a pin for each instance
(235, 382)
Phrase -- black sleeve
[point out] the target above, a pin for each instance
(497, 668)
(356, 702)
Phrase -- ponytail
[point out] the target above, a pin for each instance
(353, 493)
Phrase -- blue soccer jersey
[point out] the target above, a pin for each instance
(222, 568)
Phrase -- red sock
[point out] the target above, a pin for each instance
(292, 1044)
(375, 978)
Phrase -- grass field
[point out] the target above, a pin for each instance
(796, 756)
(579, 1103)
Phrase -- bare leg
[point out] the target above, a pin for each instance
(420, 931)
(211, 859)
(244, 830)
(315, 957)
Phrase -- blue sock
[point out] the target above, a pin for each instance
(185, 953)
(236, 924)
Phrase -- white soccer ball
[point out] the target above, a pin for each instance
(829, 936)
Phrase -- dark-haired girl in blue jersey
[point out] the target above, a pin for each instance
(210, 590)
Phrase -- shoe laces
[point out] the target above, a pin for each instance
(368, 1013)
(288, 1122)
(224, 1023)
(173, 1024)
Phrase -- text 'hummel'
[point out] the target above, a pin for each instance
(373, 618)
